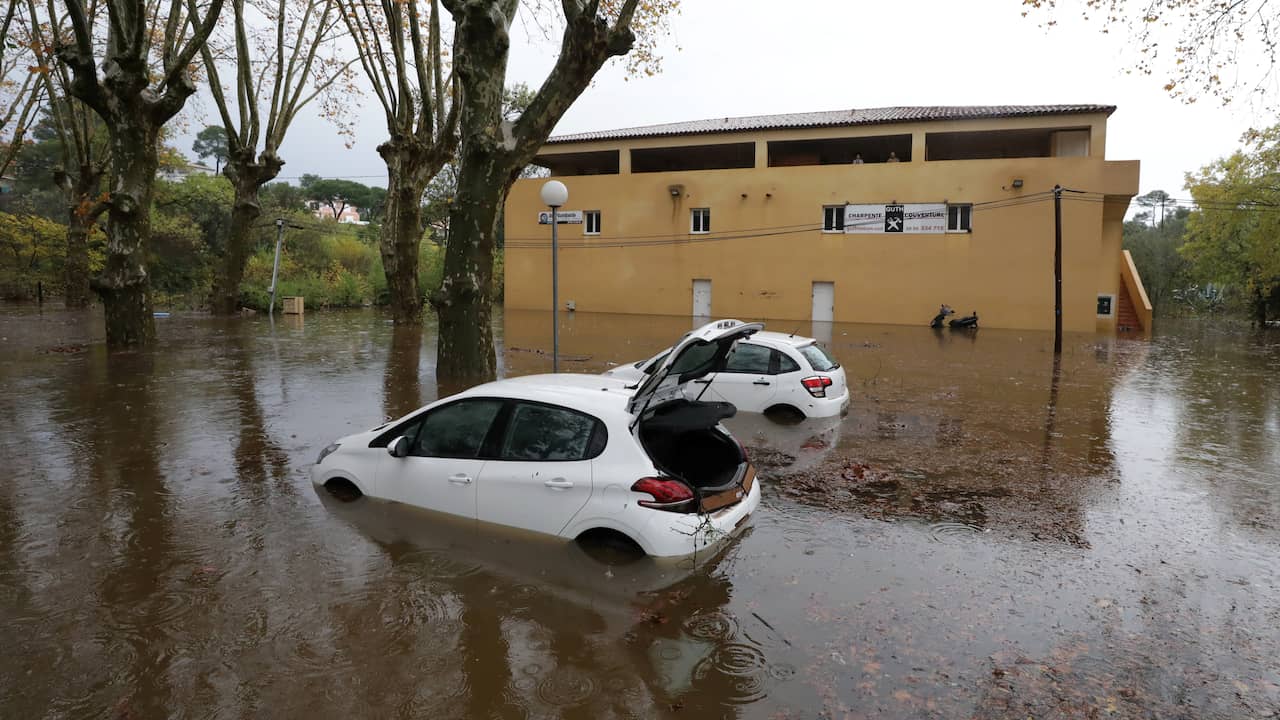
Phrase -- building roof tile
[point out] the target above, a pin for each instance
(834, 118)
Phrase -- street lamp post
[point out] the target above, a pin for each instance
(555, 195)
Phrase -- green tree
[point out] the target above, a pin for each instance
(211, 142)
(1156, 203)
(282, 198)
(1155, 251)
(1234, 238)
(32, 250)
(338, 194)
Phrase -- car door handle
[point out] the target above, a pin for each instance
(559, 484)
(761, 382)
(460, 479)
(703, 382)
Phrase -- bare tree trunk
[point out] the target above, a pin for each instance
(400, 238)
(493, 152)
(410, 166)
(77, 293)
(80, 220)
(1259, 307)
(247, 176)
(124, 285)
(464, 303)
(245, 211)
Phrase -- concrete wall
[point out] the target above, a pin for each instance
(766, 247)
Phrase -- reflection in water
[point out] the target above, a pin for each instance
(401, 384)
(123, 436)
(953, 548)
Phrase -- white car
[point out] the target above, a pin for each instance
(570, 454)
(766, 373)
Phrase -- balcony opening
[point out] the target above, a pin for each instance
(840, 151)
(729, 156)
(989, 144)
(603, 162)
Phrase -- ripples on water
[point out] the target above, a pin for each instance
(973, 540)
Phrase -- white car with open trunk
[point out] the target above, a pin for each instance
(767, 372)
(568, 454)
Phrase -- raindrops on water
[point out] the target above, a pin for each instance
(951, 532)
(712, 626)
(565, 687)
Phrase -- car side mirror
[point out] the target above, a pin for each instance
(399, 447)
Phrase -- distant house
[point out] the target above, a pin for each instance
(348, 216)
(6, 184)
(177, 173)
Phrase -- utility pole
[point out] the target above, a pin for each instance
(1057, 269)
(275, 268)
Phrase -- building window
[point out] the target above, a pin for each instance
(833, 218)
(700, 220)
(959, 218)
(1106, 306)
(591, 219)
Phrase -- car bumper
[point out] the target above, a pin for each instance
(680, 535)
(828, 406)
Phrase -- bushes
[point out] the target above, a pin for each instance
(32, 250)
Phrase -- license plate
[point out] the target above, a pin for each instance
(728, 497)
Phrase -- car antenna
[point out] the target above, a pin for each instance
(793, 332)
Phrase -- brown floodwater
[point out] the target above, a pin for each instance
(981, 537)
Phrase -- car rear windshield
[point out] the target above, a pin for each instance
(819, 358)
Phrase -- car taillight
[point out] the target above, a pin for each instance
(817, 385)
(667, 493)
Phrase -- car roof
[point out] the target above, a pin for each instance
(768, 336)
(595, 394)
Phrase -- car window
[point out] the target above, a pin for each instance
(747, 358)
(786, 364)
(696, 357)
(654, 364)
(458, 429)
(545, 432)
(819, 358)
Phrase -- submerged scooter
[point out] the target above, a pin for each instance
(964, 323)
(938, 319)
(969, 322)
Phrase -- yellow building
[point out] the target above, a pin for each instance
(875, 216)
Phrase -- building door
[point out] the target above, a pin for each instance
(824, 301)
(702, 298)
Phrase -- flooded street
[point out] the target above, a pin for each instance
(980, 537)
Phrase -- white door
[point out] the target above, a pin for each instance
(748, 380)
(541, 476)
(702, 298)
(442, 468)
(824, 301)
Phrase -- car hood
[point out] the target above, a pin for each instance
(700, 352)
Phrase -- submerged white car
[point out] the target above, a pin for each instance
(568, 454)
(766, 373)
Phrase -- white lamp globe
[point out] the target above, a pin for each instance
(554, 193)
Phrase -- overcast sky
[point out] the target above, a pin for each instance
(777, 56)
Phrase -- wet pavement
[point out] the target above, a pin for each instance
(980, 538)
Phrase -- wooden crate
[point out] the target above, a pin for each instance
(292, 305)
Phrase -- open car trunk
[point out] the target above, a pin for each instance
(684, 440)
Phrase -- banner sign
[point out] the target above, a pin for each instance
(563, 217)
(917, 218)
